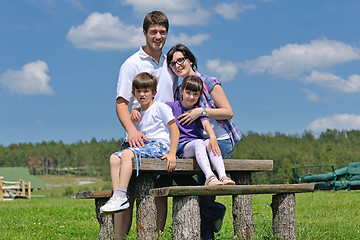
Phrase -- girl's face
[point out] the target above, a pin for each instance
(181, 66)
(189, 98)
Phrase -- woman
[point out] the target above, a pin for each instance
(214, 105)
(213, 100)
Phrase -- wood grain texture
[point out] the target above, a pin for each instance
(231, 190)
(186, 218)
(191, 166)
(283, 208)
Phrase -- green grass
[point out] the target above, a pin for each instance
(48, 218)
(320, 215)
(70, 190)
(62, 179)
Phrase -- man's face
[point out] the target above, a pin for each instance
(155, 37)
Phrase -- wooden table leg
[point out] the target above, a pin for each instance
(145, 207)
(242, 208)
(106, 221)
(186, 218)
(283, 208)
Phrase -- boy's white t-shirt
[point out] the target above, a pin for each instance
(153, 122)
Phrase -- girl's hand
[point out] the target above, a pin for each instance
(214, 146)
(189, 116)
(170, 162)
(135, 115)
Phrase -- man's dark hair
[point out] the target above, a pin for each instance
(157, 18)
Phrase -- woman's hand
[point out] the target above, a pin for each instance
(135, 115)
(190, 116)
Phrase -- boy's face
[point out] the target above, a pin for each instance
(156, 37)
(144, 97)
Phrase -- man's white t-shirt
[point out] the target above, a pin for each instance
(142, 62)
(153, 122)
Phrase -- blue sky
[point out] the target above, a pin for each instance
(286, 66)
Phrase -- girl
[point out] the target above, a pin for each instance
(215, 106)
(213, 100)
(191, 143)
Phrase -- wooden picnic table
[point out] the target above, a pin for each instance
(239, 169)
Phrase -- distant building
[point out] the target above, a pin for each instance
(16, 173)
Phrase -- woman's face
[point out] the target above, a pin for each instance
(181, 66)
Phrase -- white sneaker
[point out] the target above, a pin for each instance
(115, 204)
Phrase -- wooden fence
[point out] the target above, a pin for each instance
(10, 189)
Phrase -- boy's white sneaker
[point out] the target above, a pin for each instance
(115, 204)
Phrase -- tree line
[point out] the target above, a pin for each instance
(335, 147)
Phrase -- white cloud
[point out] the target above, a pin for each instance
(31, 79)
(337, 121)
(225, 71)
(311, 96)
(187, 40)
(292, 60)
(335, 82)
(180, 13)
(105, 32)
(231, 11)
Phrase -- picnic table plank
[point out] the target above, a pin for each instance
(190, 165)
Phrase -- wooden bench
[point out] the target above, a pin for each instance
(239, 169)
(186, 211)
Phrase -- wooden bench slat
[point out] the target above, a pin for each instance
(13, 187)
(230, 190)
(94, 194)
(191, 166)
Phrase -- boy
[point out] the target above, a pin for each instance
(151, 59)
(157, 122)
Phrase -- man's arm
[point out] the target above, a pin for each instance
(135, 137)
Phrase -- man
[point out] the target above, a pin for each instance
(151, 59)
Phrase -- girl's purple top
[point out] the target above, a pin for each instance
(187, 132)
(207, 101)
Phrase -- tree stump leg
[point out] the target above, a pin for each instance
(186, 218)
(242, 209)
(283, 208)
(105, 221)
(145, 207)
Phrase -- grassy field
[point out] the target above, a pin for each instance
(319, 215)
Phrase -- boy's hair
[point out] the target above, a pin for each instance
(144, 80)
(192, 83)
(185, 51)
(157, 18)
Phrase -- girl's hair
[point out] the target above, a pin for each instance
(144, 80)
(185, 51)
(156, 18)
(194, 84)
